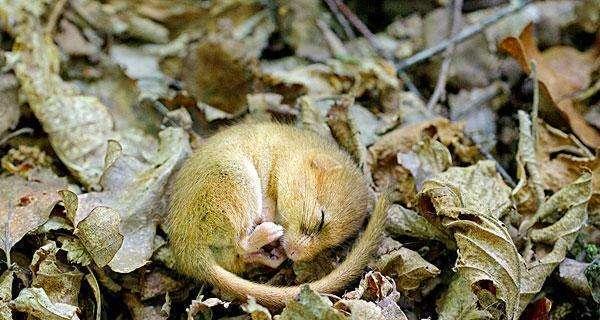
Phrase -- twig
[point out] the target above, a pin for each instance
(507, 178)
(370, 37)
(527, 151)
(341, 19)
(335, 44)
(54, 15)
(372, 40)
(463, 35)
(440, 86)
(533, 166)
(13, 134)
(535, 107)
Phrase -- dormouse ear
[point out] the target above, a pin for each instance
(324, 162)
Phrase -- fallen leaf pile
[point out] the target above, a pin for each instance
(495, 189)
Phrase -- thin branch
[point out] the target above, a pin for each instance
(13, 134)
(341, 19)
(440, 86)
(536, 101)
(54, 15)
(463, 35)
(372, 40)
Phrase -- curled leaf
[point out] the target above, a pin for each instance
(99, 234)
(35, 302)
(562, 72)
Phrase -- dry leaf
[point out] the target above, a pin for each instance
(157, 283)
(76, 252)
(360, 309)
(60, 282)
(311, 306)
(477, 188)
(561, 72)
(427, 157)
(214, 69)
(384, 154)
(99, 233)
(298, 23)
(25, 204)
(486, 251)
(405, 266)
(202, 308)
(405, 222)
(35, 302)
(459, 303)
(134, 189)
(571, 273)
(140, 311)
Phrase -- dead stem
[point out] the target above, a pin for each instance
(463, 35)
(440, 87)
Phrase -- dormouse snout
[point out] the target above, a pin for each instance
(295, 249)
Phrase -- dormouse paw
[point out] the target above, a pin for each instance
(272, 258)
(262, 235)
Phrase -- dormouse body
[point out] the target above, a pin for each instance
(253, 185)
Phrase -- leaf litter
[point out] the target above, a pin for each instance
(101, 101)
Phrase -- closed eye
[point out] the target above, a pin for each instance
(310, 230)
(322, 222)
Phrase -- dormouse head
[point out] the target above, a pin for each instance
(321, 203)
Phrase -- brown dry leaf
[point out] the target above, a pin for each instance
(478, 188)
(133, 188)
(298, 23)
(561, 159)
(405, 222)
(486, 250)
(384, 154)
(405, 266)
(99, 234)
(374, 286)
(60, 282)
(344, 130)
(377, 288)
(360, 309)
(35, 302)
(334, 77)
(140, 311)
(157, 283)
(460, 303)
(571, 273)
(311, 306)
(216, 68)
(202, 308)
(78, 126)
(561, 72)
(25, 204)
(6, 285)
(427, 157)
(72, 42)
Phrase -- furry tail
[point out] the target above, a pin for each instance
(335, 281)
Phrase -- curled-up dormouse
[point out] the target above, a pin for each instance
(262, 193)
